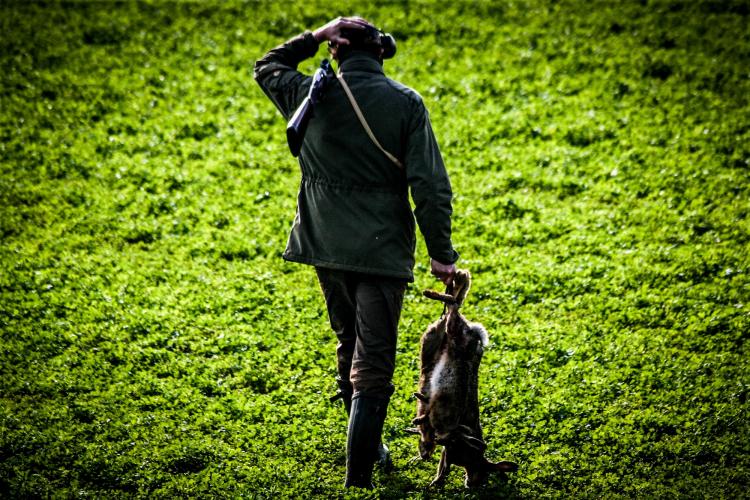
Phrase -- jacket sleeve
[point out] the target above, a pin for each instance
(276, 72)
(430, 186)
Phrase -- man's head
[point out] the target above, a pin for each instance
(366, 38)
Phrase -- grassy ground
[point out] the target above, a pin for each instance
(155, 344)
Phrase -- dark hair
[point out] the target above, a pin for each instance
(369, 39)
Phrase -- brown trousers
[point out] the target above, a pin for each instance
(364, 311)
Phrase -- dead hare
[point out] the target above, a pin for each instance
(447, 400)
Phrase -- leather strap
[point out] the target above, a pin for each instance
(362, 120)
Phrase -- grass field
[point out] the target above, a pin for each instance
(155, 344)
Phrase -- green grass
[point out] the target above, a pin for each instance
(155, 344)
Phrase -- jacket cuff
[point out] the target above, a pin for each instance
(305, 44)
(447, 258)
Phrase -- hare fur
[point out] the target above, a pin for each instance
(448, 397)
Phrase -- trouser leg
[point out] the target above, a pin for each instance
(342, 314)
(378, 308)
(364, 313)
(378, 303)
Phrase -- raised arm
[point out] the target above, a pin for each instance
(276, 72)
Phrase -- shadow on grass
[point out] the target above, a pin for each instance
(395, 486)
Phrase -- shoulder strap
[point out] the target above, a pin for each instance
(362, 120)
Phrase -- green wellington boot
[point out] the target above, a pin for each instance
(344, 393)
(363, 439)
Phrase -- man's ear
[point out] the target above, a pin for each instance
(333, 50)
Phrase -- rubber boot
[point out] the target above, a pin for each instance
(363, 439)
(344, 393)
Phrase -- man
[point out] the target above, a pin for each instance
(354, 222)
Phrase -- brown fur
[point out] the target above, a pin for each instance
(448, 400)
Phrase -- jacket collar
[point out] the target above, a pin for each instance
(361, 61)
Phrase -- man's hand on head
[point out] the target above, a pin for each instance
(444, 272)
(331, 32)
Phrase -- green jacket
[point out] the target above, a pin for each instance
(353, 209)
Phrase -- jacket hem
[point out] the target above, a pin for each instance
(300, 259)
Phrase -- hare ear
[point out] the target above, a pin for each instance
(464, 432)
(475, 443)
(471, 441)
(503, 466)
(412, 430)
